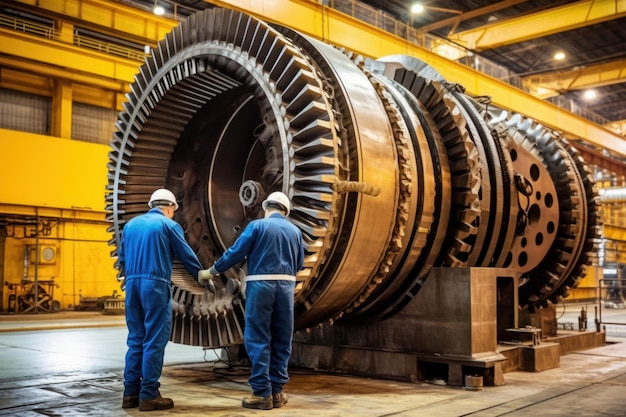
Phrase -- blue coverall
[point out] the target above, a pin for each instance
(149, 244)
(275, 253)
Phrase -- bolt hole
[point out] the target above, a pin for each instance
(539, 239)
(534, 172)
(522, 259)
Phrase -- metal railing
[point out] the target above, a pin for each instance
(81, 41)
(108, 48)
(611, 296)
(26, 26)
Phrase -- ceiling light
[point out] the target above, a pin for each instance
(158, 10)
(559, 56)
(590, 94)
(417, 8)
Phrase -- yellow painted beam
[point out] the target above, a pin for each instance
(620, 127)
(42, 69)
(61, 55)
(536, 25)
(553, 83)
(109, 14)
(42, 85)
(19, 80)
(16, 210)
(455, 21)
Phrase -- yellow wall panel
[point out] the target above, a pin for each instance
(43, 171)
(62, 182)
(86, 267)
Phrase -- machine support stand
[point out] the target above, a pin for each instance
(451, 339)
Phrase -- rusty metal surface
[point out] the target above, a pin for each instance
(391, 169)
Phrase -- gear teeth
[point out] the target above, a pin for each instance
(454, 201)
(579, 218)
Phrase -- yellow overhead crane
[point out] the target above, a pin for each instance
(536, 25)
(553, 83)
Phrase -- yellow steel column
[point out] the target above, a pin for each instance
(62, 110)
(65, 31)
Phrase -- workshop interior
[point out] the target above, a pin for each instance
(454, 177)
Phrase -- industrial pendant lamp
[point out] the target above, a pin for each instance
(158, 10)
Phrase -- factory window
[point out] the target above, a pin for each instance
(25, 112)
(92, 123)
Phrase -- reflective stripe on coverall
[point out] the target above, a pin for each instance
(149, 244)
(274, 251)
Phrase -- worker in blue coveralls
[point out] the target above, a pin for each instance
(275, 253)
(149, 244)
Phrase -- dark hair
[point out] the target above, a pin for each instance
(276, 206)
(162, 203)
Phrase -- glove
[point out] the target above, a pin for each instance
(205, 278)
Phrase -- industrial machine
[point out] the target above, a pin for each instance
(32, 293)
(30, 296)
(393, 172)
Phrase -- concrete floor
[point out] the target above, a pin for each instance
(70, 364)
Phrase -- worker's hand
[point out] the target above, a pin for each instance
(205, 275)
(205, 278)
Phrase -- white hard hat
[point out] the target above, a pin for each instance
(278, 198)
(162, 194)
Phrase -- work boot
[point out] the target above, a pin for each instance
(260, 403)
(158, 403)
(279, 399)
(130, 401)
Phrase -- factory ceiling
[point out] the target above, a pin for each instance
(524, 36)
(521, 36)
